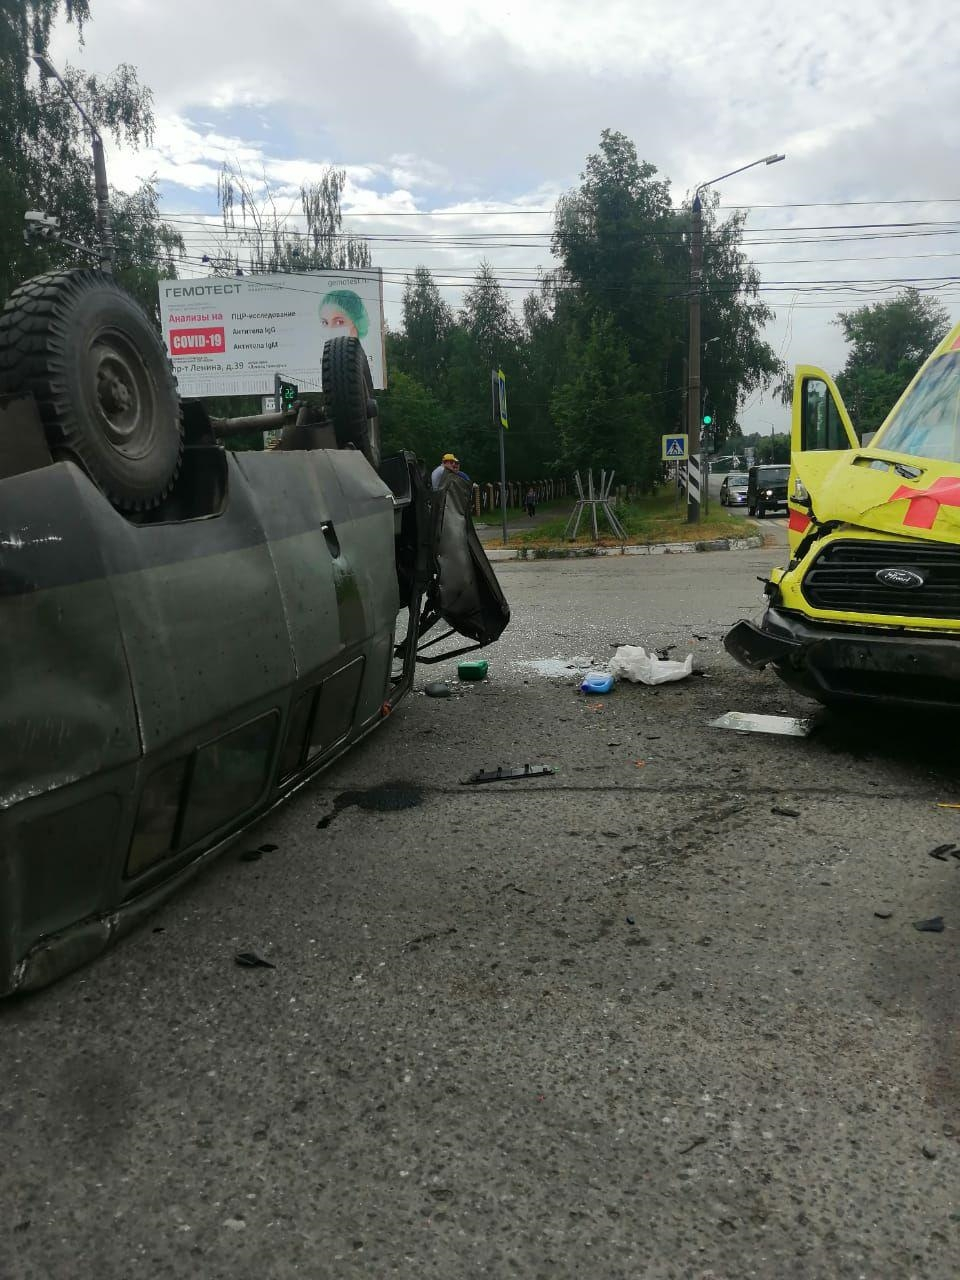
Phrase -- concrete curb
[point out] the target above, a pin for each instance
(653, 549)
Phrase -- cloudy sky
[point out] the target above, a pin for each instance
(460, 121)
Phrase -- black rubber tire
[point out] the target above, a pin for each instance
(761, 512)
(348, 397)
(104, 388)
(751, 511)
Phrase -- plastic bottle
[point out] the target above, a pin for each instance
(597, 682)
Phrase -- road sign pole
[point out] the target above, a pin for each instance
(503, 483)
(693, 364)
(498, 385)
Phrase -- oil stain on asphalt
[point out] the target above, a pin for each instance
(389, 797)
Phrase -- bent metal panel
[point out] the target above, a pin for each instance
(229, 336)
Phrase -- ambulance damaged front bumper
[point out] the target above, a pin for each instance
(849, 663)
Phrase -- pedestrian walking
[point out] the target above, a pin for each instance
(530, 502)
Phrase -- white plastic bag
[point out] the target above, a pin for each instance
(632, 662)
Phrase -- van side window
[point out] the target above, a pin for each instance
(229, 777)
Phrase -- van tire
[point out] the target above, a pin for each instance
(349, 399)
(104, 389)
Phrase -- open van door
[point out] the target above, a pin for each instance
(820, 432)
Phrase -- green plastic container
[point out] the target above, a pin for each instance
(472, 670)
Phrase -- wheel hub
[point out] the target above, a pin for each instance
(122, 396)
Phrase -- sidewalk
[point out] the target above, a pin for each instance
(489, 526)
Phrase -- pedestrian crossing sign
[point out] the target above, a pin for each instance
(673, 448)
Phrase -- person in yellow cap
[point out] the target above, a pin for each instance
(448, 462)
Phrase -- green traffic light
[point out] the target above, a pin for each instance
(707, 419)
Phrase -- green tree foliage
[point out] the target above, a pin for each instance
(147, 248)
(605, 420)
(625, 250)
(888, 343)
(412, 418)
(46, 161)
(423, 346)
(595, 369)
(256, 214)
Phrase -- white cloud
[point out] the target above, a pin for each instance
(475, 105)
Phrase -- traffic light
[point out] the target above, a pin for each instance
(286, 393)
(707, 419)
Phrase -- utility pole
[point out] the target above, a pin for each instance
(694, 472)
(101, 188)
(695, 479)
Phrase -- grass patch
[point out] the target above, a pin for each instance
(646, 520)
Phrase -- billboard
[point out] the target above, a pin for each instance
(229, 336)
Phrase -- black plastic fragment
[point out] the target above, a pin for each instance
(507, 773)
(883, 915)
(786, 813)
(437, 689)
(248, 960)
(933, 925)
(268, 848)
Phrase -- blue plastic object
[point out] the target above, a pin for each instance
(597, 682)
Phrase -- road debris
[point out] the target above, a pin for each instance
(557, 668)
(785, 813)
(508, 773)
(748, 722)
(943, 851)
(437, 689)
(476, 670)
(250, 960)
(597, 682)
(632, 662)
(883, 915)
(267, 848)
(697, 1142)
(933, 925)
(413, 943)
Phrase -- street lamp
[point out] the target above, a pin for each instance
(693, 359)
(104, 226)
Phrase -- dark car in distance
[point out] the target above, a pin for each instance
(767, 489)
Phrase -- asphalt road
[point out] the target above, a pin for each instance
(773, 527)
(628, 1020)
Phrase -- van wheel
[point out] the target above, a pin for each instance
(85, 350)
(761, 512)
(348, 397)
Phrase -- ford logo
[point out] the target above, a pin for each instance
(900, 578)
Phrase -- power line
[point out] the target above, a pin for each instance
(511, 212)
